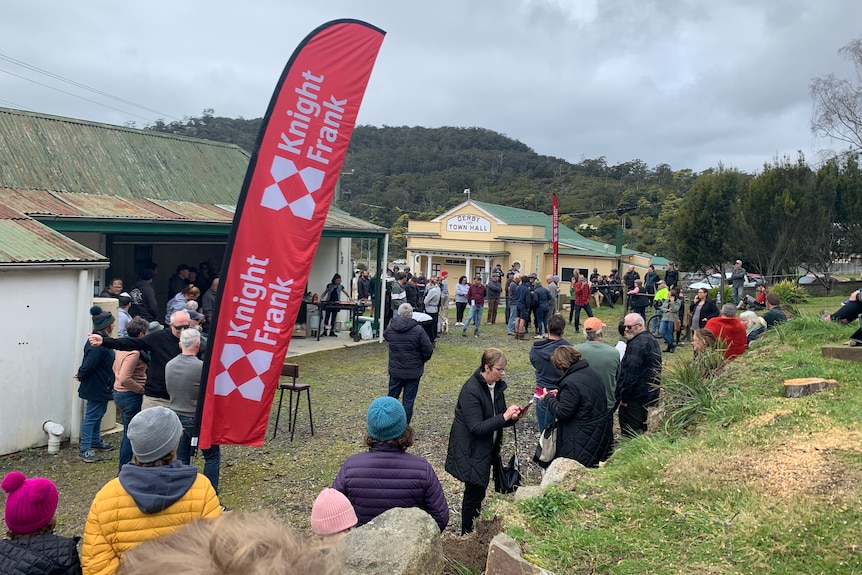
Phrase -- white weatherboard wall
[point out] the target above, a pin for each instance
(45, 316)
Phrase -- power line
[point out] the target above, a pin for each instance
(15, 105)
(76, 95)
(83, 86)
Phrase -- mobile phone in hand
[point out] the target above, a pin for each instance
(529, 403)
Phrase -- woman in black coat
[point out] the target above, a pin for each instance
(584, 431)
(474, 442)
(707, 311)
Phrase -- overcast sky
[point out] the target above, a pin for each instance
(687, 83)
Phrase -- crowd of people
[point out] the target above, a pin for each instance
(159, 503)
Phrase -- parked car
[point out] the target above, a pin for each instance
(714, 280)
(809, 279)
(691, 277)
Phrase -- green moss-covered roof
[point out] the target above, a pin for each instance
(44, 152)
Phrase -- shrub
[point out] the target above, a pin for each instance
(687, 389)
(728, 293)
(790, 292)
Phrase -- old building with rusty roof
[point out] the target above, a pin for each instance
(83, 202)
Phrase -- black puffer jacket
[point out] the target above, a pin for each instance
(640, 371)
(409, 348)
(584, 429)
(472, 445)
(47, 554)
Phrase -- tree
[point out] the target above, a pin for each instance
(397, 239)
(664, 243)
(778, 217)
(838, 102)
(849, 205)
(704, 229)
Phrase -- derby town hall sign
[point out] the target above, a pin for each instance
(468, 223)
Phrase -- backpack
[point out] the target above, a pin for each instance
(136, 296)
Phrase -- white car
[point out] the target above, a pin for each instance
(714, 280)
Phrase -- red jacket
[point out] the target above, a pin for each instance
(476, 293)
(732, 334)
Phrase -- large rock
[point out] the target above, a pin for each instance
(527, 492)
(558, 469)
(398, 542)
(505, 558)
(554, 474)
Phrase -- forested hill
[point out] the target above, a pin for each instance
(395, 173)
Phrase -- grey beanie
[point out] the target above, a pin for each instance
(153, 433)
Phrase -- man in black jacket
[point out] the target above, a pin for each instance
(640, 371)
(409, 349)
(163, 345)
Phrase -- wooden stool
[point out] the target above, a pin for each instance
(292, 385)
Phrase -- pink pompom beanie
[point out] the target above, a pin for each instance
(332, 513)
(30, 504)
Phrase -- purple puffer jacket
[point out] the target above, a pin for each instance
(385, 477)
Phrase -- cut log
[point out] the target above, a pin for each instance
(845, 352)
(800, 387)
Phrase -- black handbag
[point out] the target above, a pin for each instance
(507, 478)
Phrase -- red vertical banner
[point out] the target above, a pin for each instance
(280, 215)
(555, 211)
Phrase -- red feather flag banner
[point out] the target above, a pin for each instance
(280, 214)
(556, 231)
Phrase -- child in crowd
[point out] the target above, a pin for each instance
(332, 516)
(32, 547)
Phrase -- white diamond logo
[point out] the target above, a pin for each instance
(283, 192)
(248, 367)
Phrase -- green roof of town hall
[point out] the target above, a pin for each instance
(567, 236)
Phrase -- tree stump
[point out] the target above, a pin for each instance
(800, 387)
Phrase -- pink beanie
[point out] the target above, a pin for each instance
(31, 503)
(332, 513)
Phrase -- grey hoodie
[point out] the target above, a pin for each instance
(155, 489)
(547, 375)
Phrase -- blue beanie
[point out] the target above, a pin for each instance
(386, 419)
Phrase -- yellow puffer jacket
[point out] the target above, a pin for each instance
(116, 524)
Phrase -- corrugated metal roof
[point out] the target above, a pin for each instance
(28, 241)
(44, 152)
(66, 168)
(39, 203)
(339, 219)
(34, 202)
